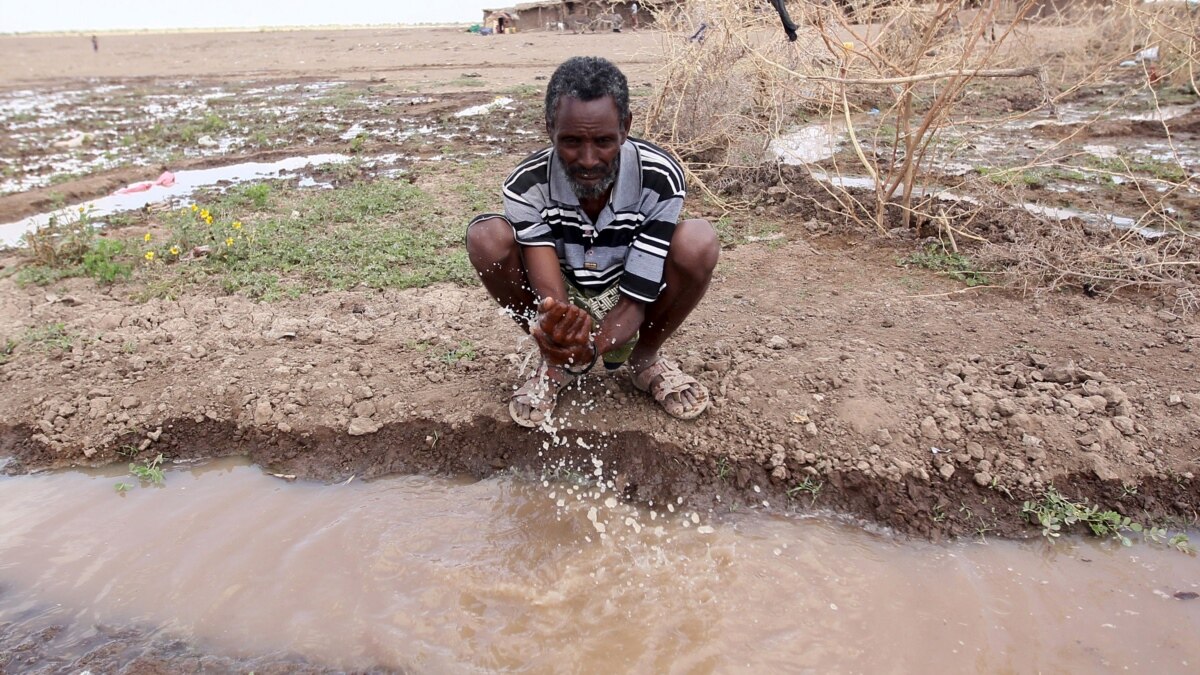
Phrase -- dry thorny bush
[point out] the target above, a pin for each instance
(893, 78)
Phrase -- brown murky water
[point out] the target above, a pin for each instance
(436, 575)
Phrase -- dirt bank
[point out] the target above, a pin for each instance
(842, 381)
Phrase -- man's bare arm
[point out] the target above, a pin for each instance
(541, 266)
(620, 324)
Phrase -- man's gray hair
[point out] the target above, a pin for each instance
(587, 78)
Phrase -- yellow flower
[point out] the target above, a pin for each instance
(81, 209)
(237, 224)
(147, 237)
(229, 241)
(149, 255)
(848, 46)
(195, 208)
(208, 220)
(174, 250)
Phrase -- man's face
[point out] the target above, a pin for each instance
(587, 136)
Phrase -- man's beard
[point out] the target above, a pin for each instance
(585, 192)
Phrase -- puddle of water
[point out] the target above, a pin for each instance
(1165, 113)
(1105, 219)
(847, 182)
(1051, 212)
(1102, 151)
(354, 130)
(456, 576)
(186, 182)
(808, 144)
(485, 108)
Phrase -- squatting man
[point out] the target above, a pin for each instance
(590, 256)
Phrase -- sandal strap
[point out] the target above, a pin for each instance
(670, 379)
(539, 388)
(664, 379)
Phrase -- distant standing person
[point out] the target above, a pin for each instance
(95, 44)
(633, 10)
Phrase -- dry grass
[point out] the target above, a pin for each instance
(722, 101)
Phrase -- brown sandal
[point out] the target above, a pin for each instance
(667, 383)
(540, 393)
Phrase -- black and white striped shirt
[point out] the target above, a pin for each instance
(627, 244)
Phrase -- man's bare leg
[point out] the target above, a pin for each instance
(496, 256)
(688, 271)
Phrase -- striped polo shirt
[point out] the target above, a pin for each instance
(627, 244)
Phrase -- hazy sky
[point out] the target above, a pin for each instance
(58, 15)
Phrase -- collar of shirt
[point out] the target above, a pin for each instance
(626, 193)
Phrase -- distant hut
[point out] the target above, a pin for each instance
(568, 14)
(500, 20)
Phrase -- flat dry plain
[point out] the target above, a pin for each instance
(408, 56)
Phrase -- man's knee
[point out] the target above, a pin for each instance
(489, 241)
(695, 248)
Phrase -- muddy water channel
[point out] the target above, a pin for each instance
(441, 575)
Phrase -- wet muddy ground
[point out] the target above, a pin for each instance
(71, 146)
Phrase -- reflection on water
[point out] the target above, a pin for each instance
(508, 574)
(186, 182)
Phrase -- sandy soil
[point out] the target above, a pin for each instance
(409, 56)
(842, 380)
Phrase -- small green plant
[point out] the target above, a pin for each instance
(101, 263)
(50, 336)
(952, 264)
(6, 350)
(253, 195)
(938, 514)
(67, 246)
(566, 474)
(149, 472)
(1054, 512)
(212, 123)
(807, 486)
(123, 487)
(524, 90)
(1126, 165)
(465, 351)
(62, 241)
(358, 143)
(723, 468)
(1179, 542)
(726, 233)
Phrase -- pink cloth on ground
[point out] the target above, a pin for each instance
(167, 179)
